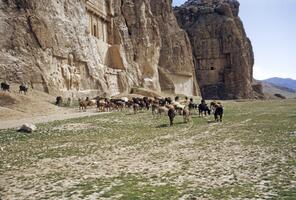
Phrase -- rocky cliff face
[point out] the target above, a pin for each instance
(222, 52)
(94, 46)
(176, 67)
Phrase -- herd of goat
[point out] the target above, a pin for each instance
(23, 88)
(157, 105)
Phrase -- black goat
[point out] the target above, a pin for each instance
(23, 88)
(5, 87)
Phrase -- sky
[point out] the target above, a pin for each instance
(271, 26)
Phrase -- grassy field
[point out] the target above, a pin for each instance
(251, 155)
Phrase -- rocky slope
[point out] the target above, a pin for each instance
(270, 90)
(288, 83)
(56, 46)
(222, 52)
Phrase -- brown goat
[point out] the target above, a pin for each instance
(82, 105)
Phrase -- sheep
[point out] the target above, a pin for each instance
(91, 102)
(162, 109)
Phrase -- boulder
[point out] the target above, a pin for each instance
(27, 128)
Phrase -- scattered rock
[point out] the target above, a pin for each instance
(293, 133)
(27, 128)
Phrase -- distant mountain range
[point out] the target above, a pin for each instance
(282, 83)
(283, 86)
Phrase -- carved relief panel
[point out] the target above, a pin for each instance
(99, 19)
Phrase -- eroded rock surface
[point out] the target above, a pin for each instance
(176, 61)
(222, 52)
(94, 47)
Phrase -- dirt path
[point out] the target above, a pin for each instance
(71, 114)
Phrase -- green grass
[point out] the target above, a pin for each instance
(126, 156)
(136, 188)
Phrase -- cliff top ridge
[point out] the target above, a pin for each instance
(209, 2)
(224, 7)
